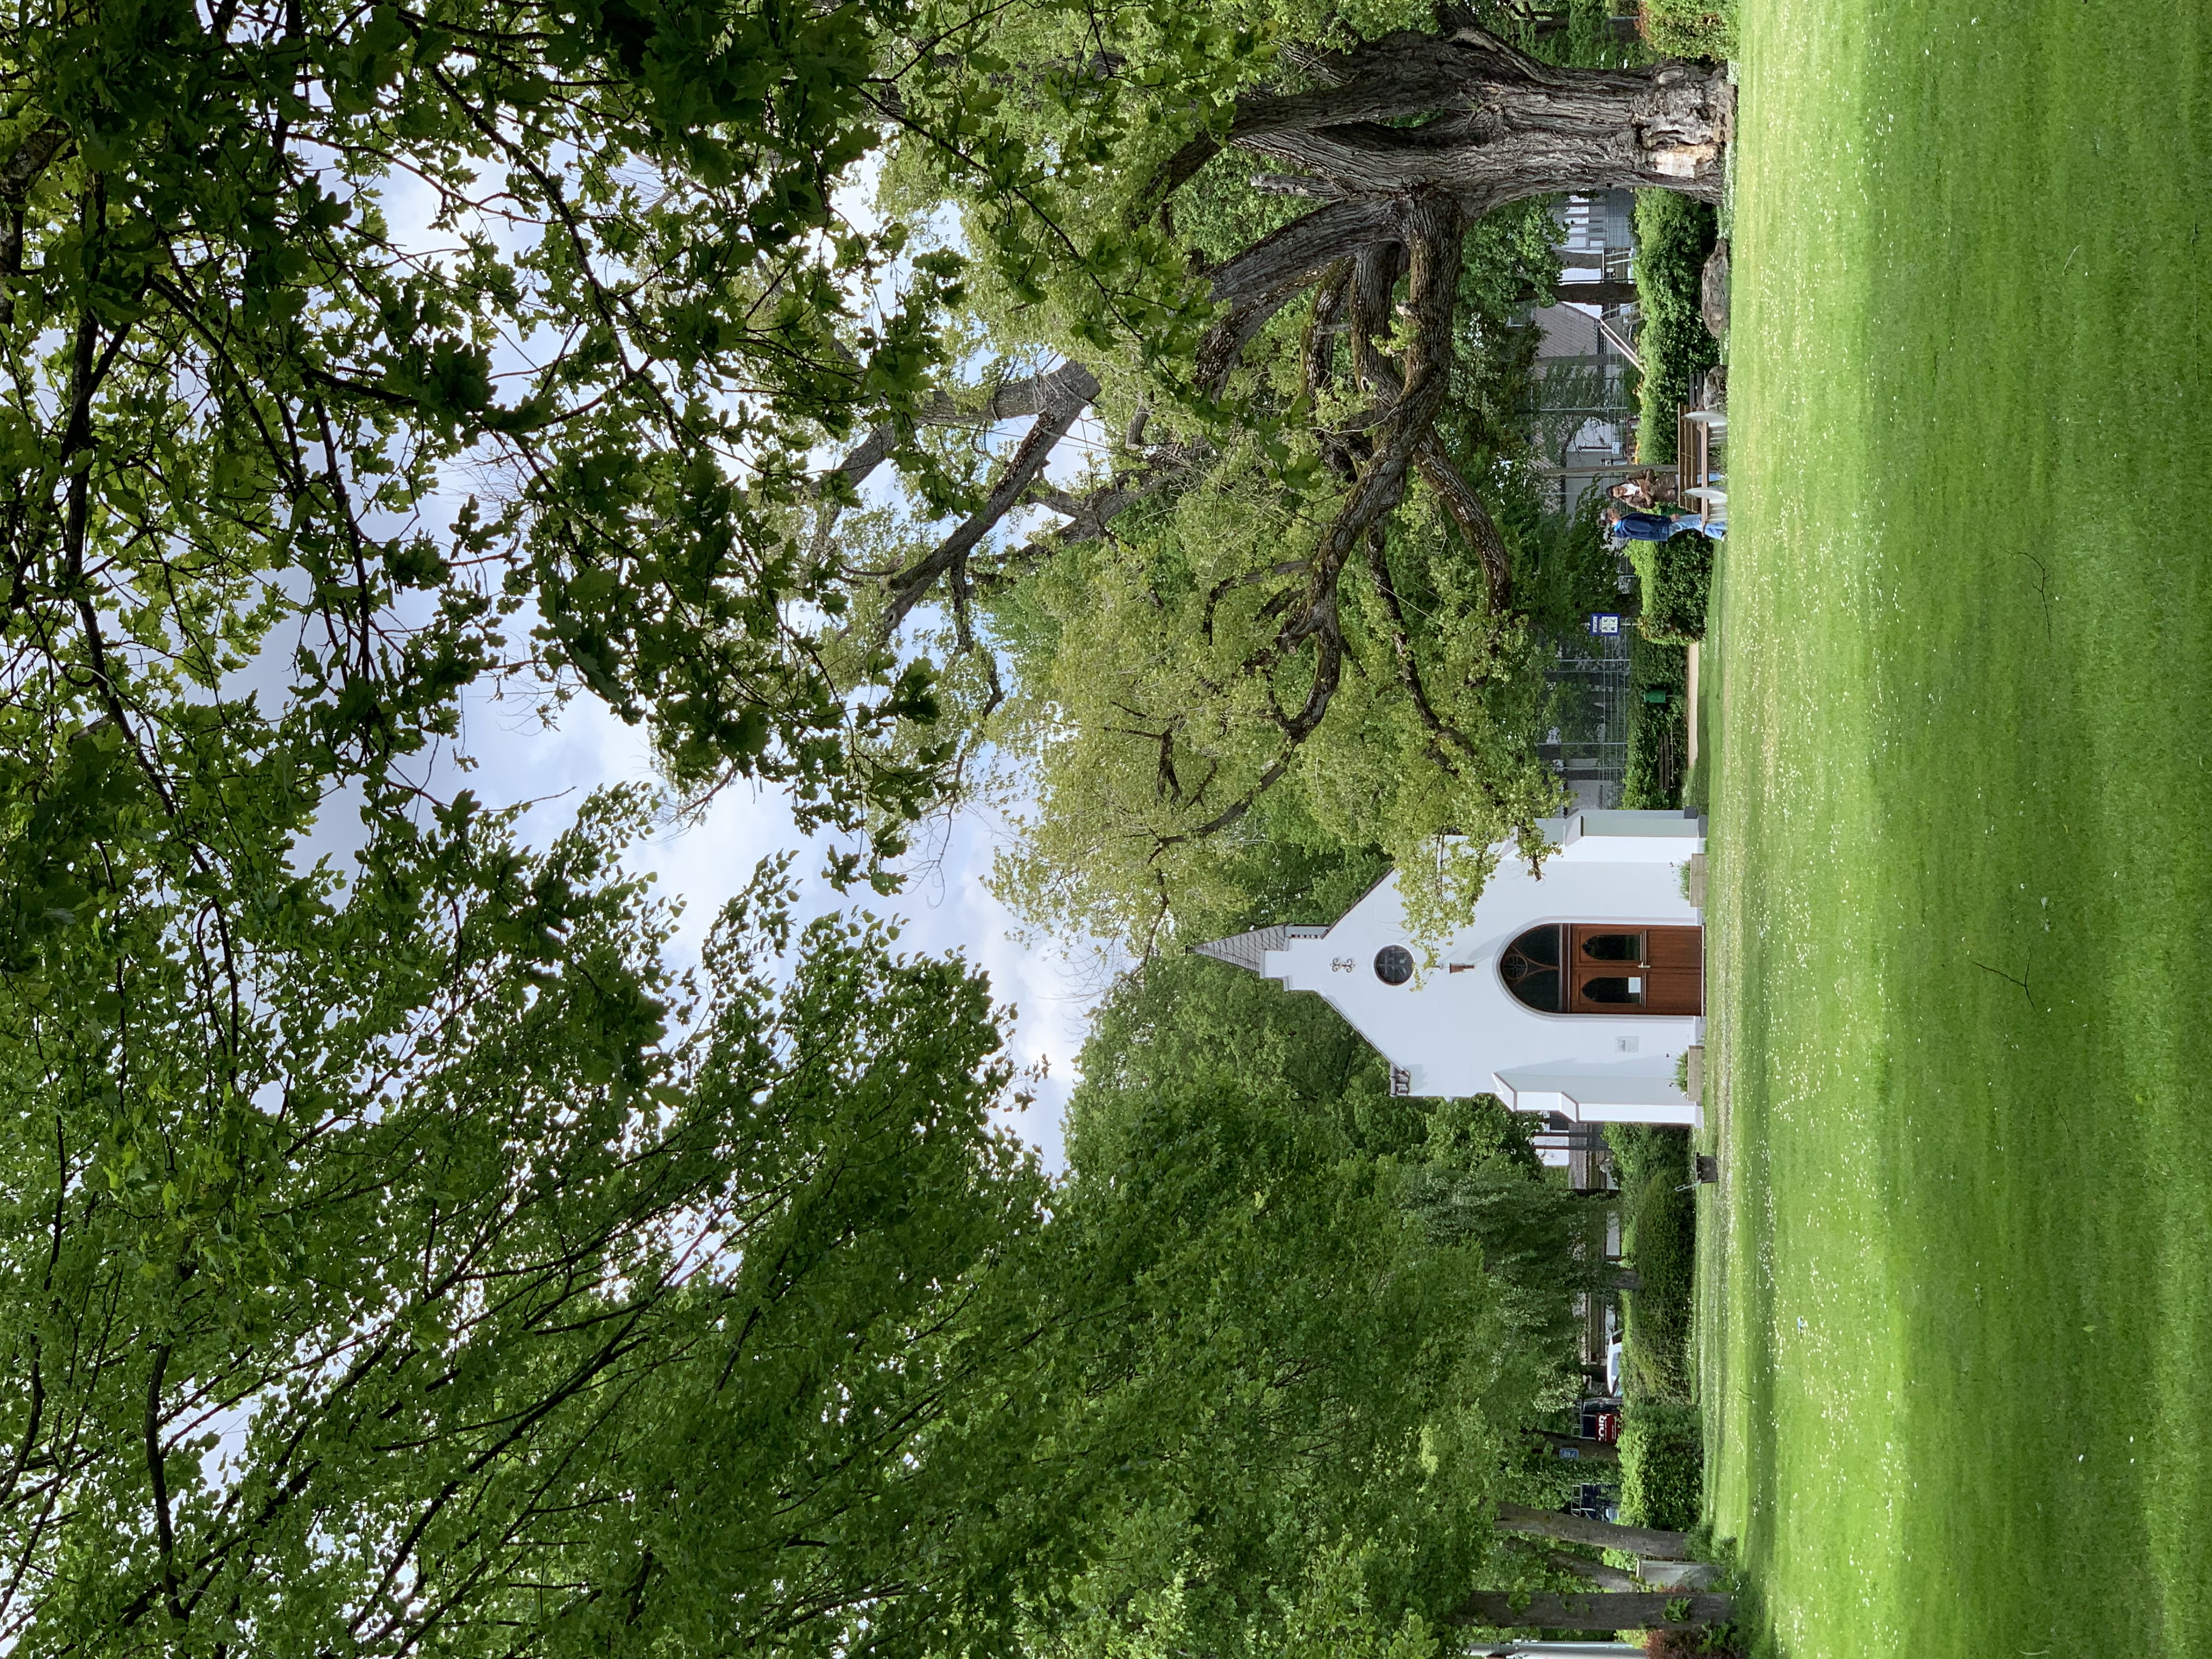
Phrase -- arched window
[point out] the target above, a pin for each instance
(1531, 968)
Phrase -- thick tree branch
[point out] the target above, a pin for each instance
(164, 1536)
(1504, 130)
(1225, 340)
(32, 157)
(1376, 271)
(1089, 515)
(1605, 1577)
(909, 587)
(1432, 231)
(1295, 255)
(1476, 527)
(1009, 400)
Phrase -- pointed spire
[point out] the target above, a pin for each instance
(1247, 949)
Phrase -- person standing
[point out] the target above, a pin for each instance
(1623, 527)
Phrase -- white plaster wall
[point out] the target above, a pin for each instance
(1463, 1033)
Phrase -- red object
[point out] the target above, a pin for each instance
(1608, 1427)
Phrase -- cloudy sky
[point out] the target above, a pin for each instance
(945, 906)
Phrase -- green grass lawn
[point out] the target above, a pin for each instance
(1956, 1335)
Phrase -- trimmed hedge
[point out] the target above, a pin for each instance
(1660, 1220)
(1658, 746)
(1682, 586)
(1658, 732)
(1663, 1464)
(1674, 236)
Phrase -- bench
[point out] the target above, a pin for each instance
(1694, 432)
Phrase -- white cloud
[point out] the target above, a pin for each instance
(946, 906)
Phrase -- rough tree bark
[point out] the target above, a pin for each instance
(1605, 1577)
(1493, 125)
(1604, 1534)
(1595, 294)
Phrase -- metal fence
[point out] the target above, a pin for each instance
(1586, 745)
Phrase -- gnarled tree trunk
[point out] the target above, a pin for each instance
(1495, 125)
(1399, 143)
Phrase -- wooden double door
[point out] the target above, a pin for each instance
(1611, 969)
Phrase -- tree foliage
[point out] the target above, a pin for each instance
(402, 1260)
(1282, 578)
(1674, 239)
(410, 1264)
(375, 350)
(357, 355)
(1337, 1307)
(417, 1268)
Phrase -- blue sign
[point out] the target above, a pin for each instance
(1604, 623)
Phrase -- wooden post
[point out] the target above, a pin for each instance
(1576, 1529)
(1595, 1610)
(1599, 1574)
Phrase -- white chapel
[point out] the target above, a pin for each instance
(1575, 993)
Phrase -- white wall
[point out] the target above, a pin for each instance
(1463, 1033)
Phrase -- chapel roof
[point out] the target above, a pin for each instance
(1248, 949)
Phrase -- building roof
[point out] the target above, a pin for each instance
(1567, 331)
(1250, 949)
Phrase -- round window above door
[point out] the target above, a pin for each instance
(1394, 964)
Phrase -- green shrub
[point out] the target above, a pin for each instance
(1590, 40)
(1682, 573)
(1674, 236)
(1657, 664)
(1691, 28)
(1663, 1464)
(1716, 1642)
(1658, 732)
(1658, 738)
(1656, 1348)
(1660, 1230)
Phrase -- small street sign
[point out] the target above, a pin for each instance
(1604, 623)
